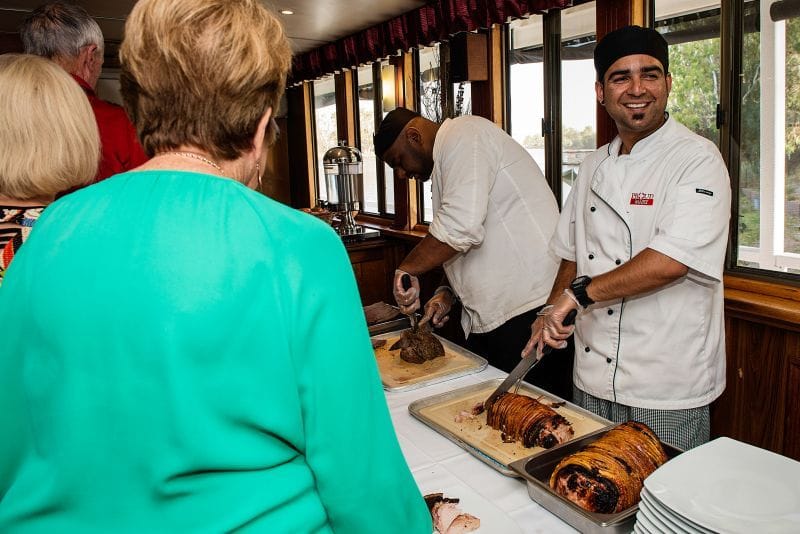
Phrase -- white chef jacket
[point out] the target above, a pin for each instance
(664, 349)
(492, 204)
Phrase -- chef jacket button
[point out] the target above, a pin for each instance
(592, 209)
(586, 349)
(608, 360)
(618, 261)
(591, 256)
(611, 312)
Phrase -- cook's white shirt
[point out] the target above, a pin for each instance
(492, 204)
(664, 349)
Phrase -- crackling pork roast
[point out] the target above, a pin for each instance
(522, 418)
(607, 475)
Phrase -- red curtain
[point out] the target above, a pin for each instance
(433, 22)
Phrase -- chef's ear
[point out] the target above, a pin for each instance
(598, 88)
(413, 136)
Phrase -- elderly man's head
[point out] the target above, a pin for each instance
(634, 82)
(66, 34)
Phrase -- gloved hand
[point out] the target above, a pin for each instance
(407, 299)
(548, 328)
(437, 308)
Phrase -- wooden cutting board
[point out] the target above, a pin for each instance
(397, 373)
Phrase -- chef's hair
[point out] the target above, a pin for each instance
(49, 135)
(202, 73)
(59, 30)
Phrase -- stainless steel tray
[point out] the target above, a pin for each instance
(484, 442)
(397, 375)
(400, 323)
(537, 470)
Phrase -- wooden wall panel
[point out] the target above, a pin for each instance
(610, 15)
(791, 436)
(758, 401)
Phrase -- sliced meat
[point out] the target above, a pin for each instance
(463, 523)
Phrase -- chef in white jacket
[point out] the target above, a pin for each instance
(642, 243)
(493, 216)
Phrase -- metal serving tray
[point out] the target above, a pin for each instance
(478, 438)
(399, 375)
(536, 471)
(400, 323)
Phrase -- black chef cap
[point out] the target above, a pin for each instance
(628, 41)
(390, 127)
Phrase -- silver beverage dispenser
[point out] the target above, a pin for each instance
(344, 182)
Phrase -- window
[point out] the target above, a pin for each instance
(366, 96)
(324, 126)
(526, 85)
(768, 226)
(578, 97)
(431, 106)
(375, 95)
(692, 30)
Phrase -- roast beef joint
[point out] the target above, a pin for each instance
(418, 345)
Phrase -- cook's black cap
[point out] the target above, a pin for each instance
(390, 127)
(628, 41)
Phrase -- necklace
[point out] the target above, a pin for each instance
(198, 157)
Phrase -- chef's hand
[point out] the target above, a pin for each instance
(407, 299)
(548, 328)
(437, 308)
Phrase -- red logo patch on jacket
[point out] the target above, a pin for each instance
(642, 199)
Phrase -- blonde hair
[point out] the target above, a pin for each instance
(202, 73)
(48, 134)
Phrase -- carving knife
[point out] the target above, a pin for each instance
(525, 365)
(406, 280)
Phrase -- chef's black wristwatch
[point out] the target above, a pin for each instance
(578, 287)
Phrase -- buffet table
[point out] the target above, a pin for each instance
(438, 464)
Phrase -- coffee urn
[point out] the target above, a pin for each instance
(344, 183)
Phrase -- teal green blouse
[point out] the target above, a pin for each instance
(181, 354)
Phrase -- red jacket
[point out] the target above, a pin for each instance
(120, 148)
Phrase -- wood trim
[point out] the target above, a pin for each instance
(497, 79)
(311, 172)
(762, 302)
(301, 159)
(345, 107)
(610, 15)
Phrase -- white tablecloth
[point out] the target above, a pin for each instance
(435, 459)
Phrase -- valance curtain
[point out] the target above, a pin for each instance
(433, 22)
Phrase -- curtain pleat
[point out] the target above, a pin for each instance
(435, 21)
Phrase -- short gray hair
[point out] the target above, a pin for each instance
(59, 30)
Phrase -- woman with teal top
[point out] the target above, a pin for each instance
(180, 353)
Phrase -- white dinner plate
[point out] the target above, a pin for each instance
(643, 526)
(437, 479)
(729, 486)
(663, 523)
(689, 525)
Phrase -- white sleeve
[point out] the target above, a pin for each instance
(692, 228)
(468, 170)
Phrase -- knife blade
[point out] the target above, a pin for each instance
(525, 365)
(406, 281)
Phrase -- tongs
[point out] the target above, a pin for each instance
(524, 366)
(406, 281)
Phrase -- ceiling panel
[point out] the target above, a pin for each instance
(314, 22)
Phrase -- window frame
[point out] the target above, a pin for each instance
(377, 106)
(732, 35)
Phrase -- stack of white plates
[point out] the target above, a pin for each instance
(722, 486)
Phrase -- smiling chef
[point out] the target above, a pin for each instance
(642, 244)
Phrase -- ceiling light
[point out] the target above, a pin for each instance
(287, 12)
